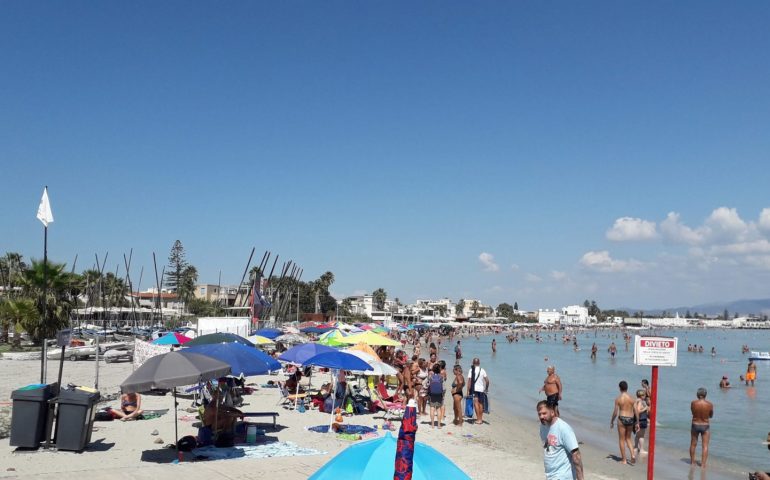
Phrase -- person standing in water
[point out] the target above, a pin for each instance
(594, 349)
(613, 350)
(751, 373)
(494, 346)
(702, 412)
(627, 421)
(552, 388)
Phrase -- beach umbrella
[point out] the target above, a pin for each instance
(300, 353)
(243, 360)
(373, 460)
(260, 340)
(364, 348)
(292, 338)
(378, 367)
(332, 338)
(171, 370)
(221, 337)
(316, 330)
(172, 338)
(271, 333)
(290, 329)
(337, 360)
(370, 338)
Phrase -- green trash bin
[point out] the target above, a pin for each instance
(30, 414)
(75, 418)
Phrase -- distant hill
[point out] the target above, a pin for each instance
(742, 307)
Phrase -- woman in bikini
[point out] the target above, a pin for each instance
(130, 407)
(457, 394)
(642, 410)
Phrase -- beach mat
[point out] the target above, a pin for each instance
(356, 429)
(275, 449)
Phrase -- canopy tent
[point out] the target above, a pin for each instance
(370, 338)
(375, 460)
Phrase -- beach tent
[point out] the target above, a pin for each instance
(243, 360)
(221, 337)
(370, 338)
(374, 460)
(171, 370)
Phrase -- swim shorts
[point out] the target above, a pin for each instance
(552, 400)
(751, 376)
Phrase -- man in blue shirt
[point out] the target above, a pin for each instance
(562, 457)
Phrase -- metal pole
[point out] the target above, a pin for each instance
(45, 300)
(653, 417)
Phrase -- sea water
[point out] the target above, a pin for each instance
(741, 414)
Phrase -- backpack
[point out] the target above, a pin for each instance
(436, 385)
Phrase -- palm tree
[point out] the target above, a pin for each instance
(52, 279)
(378, 297)
(19, 314)
(460, 307)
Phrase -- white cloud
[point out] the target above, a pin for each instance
(764, 220)
(628, 229)
(602, 262)
(677, 232)
(532, 278)
(558, 276)
(515, 267)
(761, 246)
(724, 224)
(488, 260)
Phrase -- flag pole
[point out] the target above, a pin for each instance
(43, 353)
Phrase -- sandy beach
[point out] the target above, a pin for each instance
(127, 450)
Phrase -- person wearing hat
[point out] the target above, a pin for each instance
(724, 383)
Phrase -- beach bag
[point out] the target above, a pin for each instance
(469, 407)
(187, 443)
(436, 386)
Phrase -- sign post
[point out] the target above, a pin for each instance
(655, 352)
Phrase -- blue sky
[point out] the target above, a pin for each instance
(400, 144)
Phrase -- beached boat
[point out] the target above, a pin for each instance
(759, 356)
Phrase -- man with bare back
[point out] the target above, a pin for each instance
(702, 411)
(552, 388)
(626, 414)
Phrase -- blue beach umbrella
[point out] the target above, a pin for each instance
(373, 460)
(220, 337)
(338, 360)
(316, 330)
(242, 359)
(270, 333)
(300, 353)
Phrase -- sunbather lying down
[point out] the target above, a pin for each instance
(130, 407)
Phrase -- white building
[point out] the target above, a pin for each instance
(548, 317)
(575, 315)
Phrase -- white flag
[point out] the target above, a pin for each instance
(44, 213)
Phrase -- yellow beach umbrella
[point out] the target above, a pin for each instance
(260, 340)
(370, 338)
(362, 347)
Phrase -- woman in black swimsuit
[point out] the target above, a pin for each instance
(130, 407)
(457, 394)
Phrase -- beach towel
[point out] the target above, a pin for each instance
(358, 429)
(275, 449)
(469, 407)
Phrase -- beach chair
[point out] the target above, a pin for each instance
(288, 400)
(382, 391)
(393, 410)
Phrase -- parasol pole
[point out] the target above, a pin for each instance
(176, 428)
(334, 400)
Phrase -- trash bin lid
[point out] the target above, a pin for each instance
(78, 397)
(35, 391)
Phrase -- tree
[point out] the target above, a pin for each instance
(593, 309)
(586, 303)
(378, 297)
(726, 315)
(186, 286)
(52, 279)
(516, 306)
(687, 314)
(18, 314)
(200, 307)
(505, 310)
(475, 307)
(176, 265)
(460, 307)
(12, 268)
